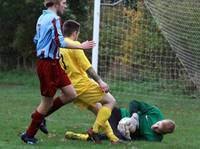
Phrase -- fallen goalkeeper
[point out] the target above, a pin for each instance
(141, 122)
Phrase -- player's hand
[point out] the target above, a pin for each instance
(123, 127)
(135, 119)
(104, 86)
(88, 44)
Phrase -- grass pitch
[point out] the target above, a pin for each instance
(20, 95)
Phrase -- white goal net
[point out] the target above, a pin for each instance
(180, 24)
(150, 49)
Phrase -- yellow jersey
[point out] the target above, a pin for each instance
(75, 63)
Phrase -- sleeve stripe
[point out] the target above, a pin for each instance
(56, 38)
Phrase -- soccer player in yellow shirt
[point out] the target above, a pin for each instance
(89, 91)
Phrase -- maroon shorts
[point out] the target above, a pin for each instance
(51, 77)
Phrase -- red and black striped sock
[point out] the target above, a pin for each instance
(57, 103)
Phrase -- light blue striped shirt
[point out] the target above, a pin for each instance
(49, 36)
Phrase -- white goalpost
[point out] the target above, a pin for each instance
(96, 25)
(150, 49)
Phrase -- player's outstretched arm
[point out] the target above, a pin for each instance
(84, 45)
(103, 85)
(88, 44)
(135, 106)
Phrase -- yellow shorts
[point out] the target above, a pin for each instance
(90, 96)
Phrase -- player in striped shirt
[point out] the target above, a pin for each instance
(48, 40)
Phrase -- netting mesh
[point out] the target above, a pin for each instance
(180, 24)
(150, 54)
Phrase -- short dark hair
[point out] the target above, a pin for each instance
(69, 27)
(49, 3)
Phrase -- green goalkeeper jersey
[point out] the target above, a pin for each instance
(148, 115)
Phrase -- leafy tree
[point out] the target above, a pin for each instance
(18, 19)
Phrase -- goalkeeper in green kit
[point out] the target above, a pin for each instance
(141, 122)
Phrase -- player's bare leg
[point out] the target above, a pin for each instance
(45, 104)
(67, 96)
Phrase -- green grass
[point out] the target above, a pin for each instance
(20, 95)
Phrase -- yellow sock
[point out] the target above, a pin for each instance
(102, 116)
(77, 136)
(109, 132)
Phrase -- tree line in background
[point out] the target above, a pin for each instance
(18, 19)
(17, 26)
(143, 47)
